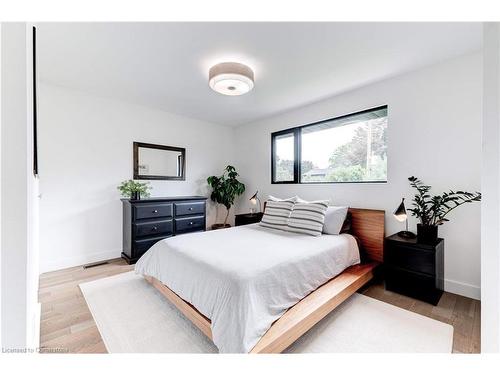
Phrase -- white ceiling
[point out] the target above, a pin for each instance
(165, 65)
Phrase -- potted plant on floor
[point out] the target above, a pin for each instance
(225, 189)
(432, 210)
(134, 190)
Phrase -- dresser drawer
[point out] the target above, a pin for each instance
(149, 211)
(189, 208)
(151, 228)
(410, 258)
(189, 224)
(141, 246)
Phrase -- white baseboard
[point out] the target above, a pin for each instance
(38, 317)
(80, 260)
(463, 289)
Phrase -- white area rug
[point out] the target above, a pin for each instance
(133, 317)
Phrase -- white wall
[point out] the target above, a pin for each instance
(490, 214)
(1, 185)
(434, 132)
(19, 252)
(85, 148)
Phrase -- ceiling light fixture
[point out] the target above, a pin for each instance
(231, 78)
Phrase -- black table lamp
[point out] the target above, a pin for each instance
(256, 199)
(401, 215)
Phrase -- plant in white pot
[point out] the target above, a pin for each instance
(225, 190)
(432, 210)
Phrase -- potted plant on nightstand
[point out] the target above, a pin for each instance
(432, 210)
(225, 189)
(134, 190)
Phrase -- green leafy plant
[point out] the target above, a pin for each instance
(226, 188)
(432, 210)
(130, 187)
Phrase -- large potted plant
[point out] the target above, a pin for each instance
(225, 189)
(432, 210)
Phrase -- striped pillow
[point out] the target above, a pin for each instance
(308, 218)
(276, 214)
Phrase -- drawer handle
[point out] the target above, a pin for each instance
(155, 211)
(190, 208)
(154, 229)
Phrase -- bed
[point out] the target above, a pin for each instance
(254, 289)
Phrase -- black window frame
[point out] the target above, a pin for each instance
(297, 133)
(296, 155)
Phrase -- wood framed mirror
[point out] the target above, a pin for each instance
(159, 162)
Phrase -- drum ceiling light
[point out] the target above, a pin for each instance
(231, 78)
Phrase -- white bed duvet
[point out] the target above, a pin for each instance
(244, 278)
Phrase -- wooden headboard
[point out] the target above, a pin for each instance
(369, 227)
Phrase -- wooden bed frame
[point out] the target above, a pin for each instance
(368, 227)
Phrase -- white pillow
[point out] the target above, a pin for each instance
(291, 199)
(334, 219)
(300, 200)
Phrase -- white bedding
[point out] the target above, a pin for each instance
(244, 278)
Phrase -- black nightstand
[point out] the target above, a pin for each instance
(414, 269)
(244, 219)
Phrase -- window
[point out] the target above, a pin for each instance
(284, 152)
(351, 148)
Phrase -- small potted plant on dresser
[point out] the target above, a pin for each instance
(134, 190)
(432, 210)
(225, 190)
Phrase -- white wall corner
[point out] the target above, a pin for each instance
(0, 184)
(19, 267)
(490, 214)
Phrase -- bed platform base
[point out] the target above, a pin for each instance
(298, 319)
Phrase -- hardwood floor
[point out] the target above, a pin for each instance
(463, 313)
(67, 324)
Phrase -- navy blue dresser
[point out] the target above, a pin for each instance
(147, 221)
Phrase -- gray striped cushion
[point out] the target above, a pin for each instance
(276, 214)
(308, 218)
